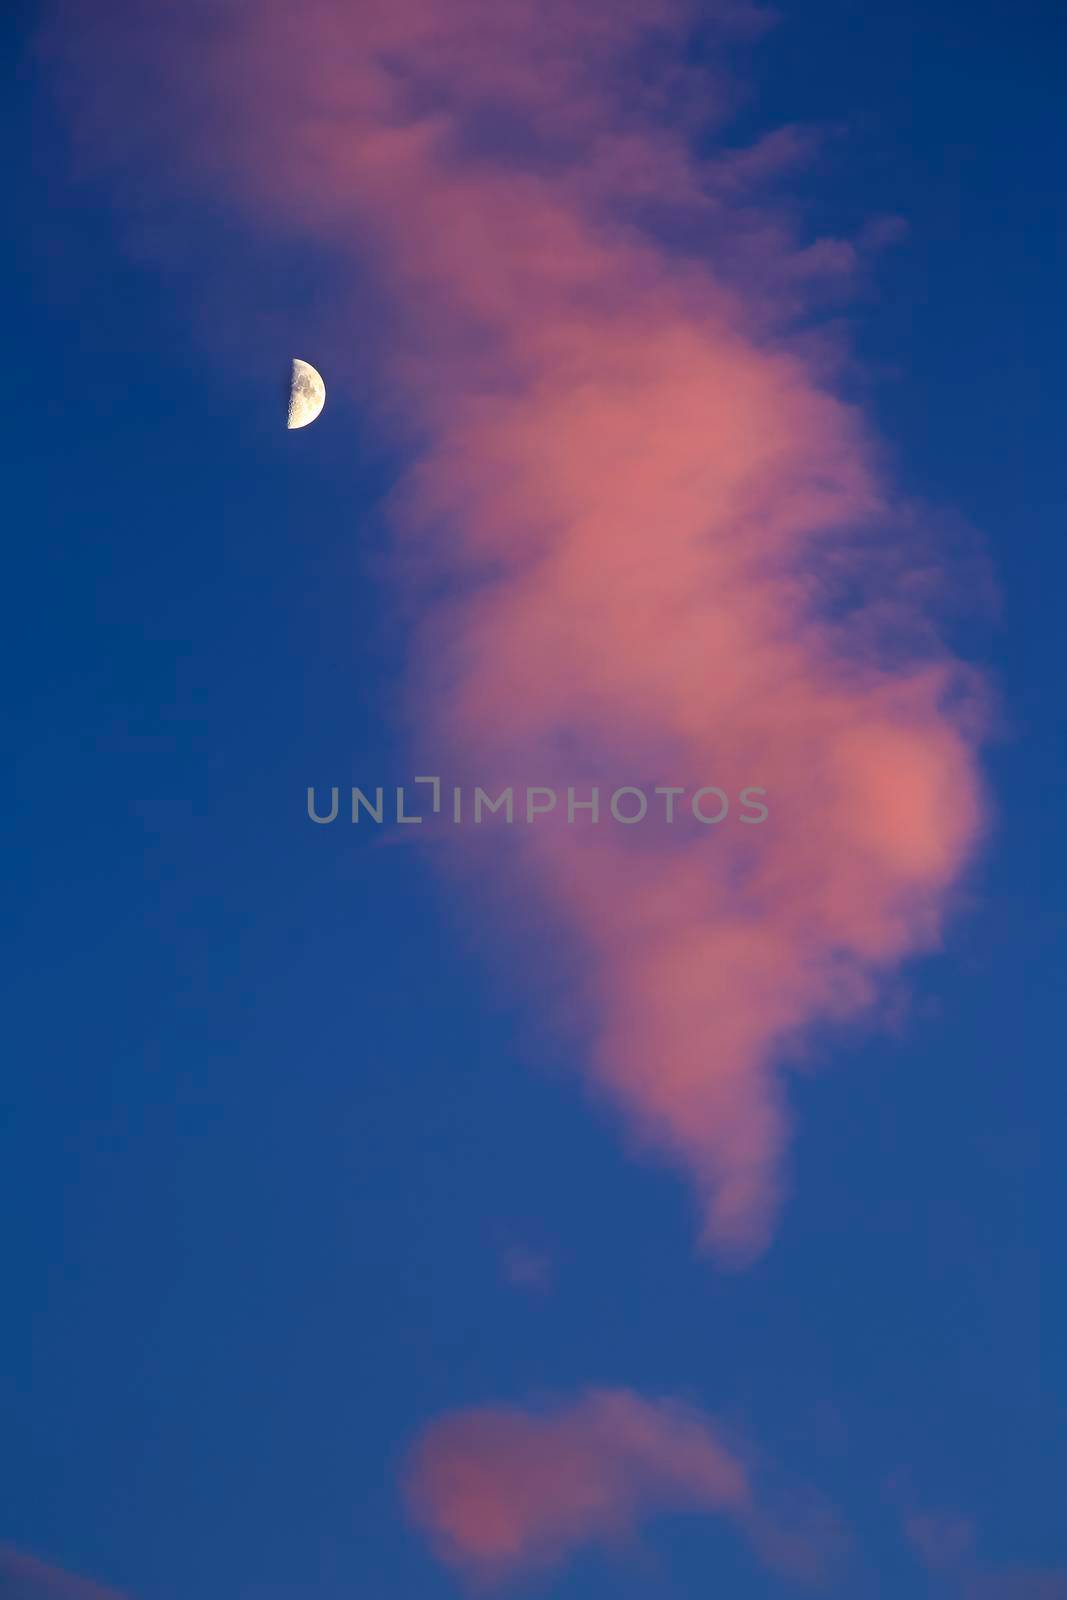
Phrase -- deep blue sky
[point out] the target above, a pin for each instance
(271, 1123)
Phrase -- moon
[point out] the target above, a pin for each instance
(307, 394)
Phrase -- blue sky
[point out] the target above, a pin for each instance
(275, 1118)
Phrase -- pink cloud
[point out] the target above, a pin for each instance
(25, 1577)
(946, 1544)
(527, 1269)
(941, 1540)
(647, 506)
(1020, 1583)
(502, 1490)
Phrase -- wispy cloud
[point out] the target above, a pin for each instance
(946, 1544)
(643, 530)
(531, 1270)
(942, 1540)
(1018, 1583)
(504, 1490)
(26, 1577)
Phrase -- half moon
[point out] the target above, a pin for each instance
(307, 395)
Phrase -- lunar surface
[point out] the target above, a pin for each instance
(307, 395)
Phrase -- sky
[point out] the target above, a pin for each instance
(549, 1210)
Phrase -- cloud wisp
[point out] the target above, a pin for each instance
(946, 1545)
(26, 1577)
(499, 1491)
(639, 529)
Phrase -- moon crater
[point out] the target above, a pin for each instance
(307, 394)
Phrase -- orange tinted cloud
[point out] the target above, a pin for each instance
(660, 548)
(499, 1490)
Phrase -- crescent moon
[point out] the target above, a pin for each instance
(307, 395)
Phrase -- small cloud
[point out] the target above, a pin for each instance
(881, 232)
(26, 1577)
(1019, 1584)
(528, 1269)
(946, 1544)
(503, 1490)
(942, 1541)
